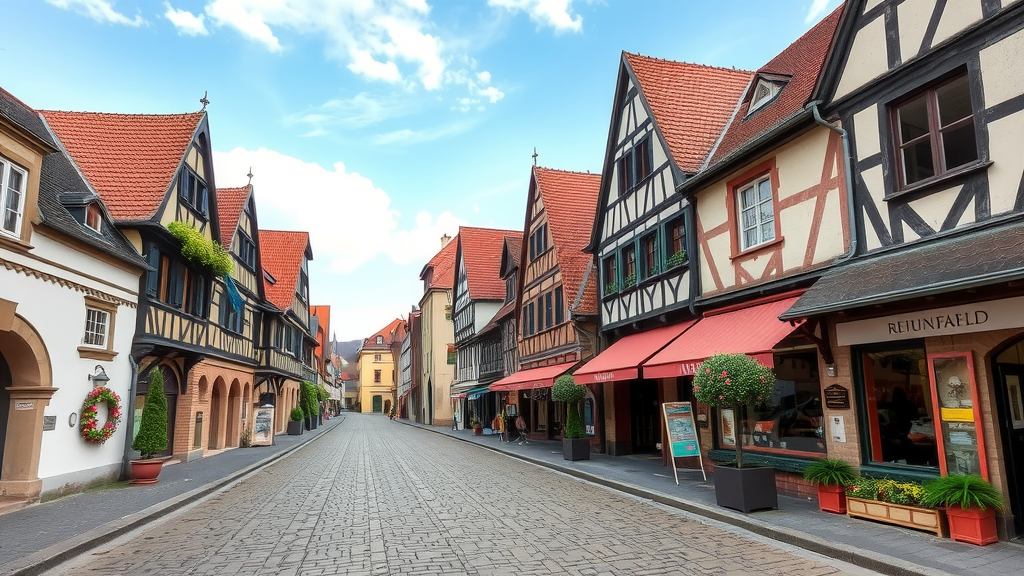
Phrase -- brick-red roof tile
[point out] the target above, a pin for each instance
(323, 312)
(570, 202)
(515, 249)
(691, 103)
(281, 255)
(481, 250)
(393, 332)
(802, 60)
(130, 159)
(443, 264)
(230, 203)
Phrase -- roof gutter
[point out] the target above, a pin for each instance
(851, 214)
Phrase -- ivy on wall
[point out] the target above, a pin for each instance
(201, 251)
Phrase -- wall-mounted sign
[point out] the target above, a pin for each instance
(24, 405)
(837, 397)
(49, 423)
(963, 319)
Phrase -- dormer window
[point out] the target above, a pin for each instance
(766, 89)
(94, 217)
(380, 339)
(269, 278)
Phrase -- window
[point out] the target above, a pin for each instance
(538, 241)
(98, 336)
(377, 357)
(935, 131)
(195, 294)
(634, 166)
(609, 272)
(303, 287)
(376, 376)
(757, 212)
(246, 250)
(12, 196)
(230, 318)
(529, 328)
(629, 266)
(764, 92)
(95, 327)
(94, 216)
(559, 306)
(675, 246)
(510, 288)
(192, 190)
(380, 340)
(548, 312)
(540, 313)
(649, 265)
(897, 394)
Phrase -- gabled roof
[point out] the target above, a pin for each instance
(510, 256)
(230, 203)
(130, 159)
(281, 255)
(570, 202)
(801, 62)
(481, 251)
(324, 313)
(502, 313)
(691, 103)
(443, 264)
(393, 332)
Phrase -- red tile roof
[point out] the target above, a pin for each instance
(515, 249)
(691, 103)
(802, 61)
(130, 159)
(481, 251)
(570, 202)
(443, 264)
(230, 203)
(322, 312)
(394, 331)
(281, 255)
(504, 312)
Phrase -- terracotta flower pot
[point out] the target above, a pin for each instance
(832, 499)
(479, 430)
(146, 471)
(972, 525)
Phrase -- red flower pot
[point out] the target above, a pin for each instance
(146, 471)
(832, 499)
(478, 430)
(972, 525)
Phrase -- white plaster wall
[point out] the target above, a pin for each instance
(913, 16)
(956, 16)
(1004, 175)
(1000, 69)
(865, 125)
(484, 311)
(873, 181)
(867, 59)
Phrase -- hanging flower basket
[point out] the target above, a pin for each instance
(89, 423)
(201, 251)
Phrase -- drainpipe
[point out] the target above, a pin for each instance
(851, 211)
(128, 409)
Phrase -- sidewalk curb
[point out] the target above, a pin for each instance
(881, 563)
(61, 552)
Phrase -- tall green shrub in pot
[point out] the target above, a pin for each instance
(733, 381)
(567, 390)
(152, 435)
(308, 402)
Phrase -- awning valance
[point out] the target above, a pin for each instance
(543, 377)
(622, 360)
(753, 331)
(476, 393)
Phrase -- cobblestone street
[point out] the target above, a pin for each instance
(377, 497)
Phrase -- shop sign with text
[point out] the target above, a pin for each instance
(963, 319)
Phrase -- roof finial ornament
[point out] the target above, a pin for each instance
(534, 155)
(250, 175)
(203, 100)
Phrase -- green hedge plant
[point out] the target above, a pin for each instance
(567, 390)
(297, 414)
(733, 381)
(964, 491)
(152, 436)
(308, 399)
(830, 472)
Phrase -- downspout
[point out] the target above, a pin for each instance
(129, 425)
(848, 168)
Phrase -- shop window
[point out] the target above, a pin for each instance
(609, 271)
(897, 398)
(793, 422)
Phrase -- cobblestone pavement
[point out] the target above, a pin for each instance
(376, 497)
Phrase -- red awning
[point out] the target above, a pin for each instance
(753, 331)
(622, 360)
(543, 377)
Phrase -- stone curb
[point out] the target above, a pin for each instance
(881, 563)
(57, 554)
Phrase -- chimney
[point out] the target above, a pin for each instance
(445, 240)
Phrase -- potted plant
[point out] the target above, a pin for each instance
(971, 504)
(736, 381)
(893, 502)
(575, 444)
(308, 403)
(476, 425)
(152, 435)
(629, 281)
(295, 421)
(832, 476)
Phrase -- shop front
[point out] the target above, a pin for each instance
(530, 391)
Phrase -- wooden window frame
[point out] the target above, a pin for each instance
(624, 263)
(559, 306)
(105, 352)
(6, 167)
(246, 251)
(734, 187)
(230, 319)
(649, 262)
(610, 286)
(376, 376)
(93, 217)
(635, 165)
(677, 222)
(190, 194)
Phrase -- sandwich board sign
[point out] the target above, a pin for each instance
(682, 434)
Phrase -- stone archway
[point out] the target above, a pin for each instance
(218, 414)
(234, 414)
(26, 378)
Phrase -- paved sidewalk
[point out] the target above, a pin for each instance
(38, 537)
(880, 547)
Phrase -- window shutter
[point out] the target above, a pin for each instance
(153, 276)
(177, 284)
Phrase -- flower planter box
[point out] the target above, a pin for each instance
(576, 449)
(295, 427)
(972, 525)
(746, 489)
(832, 499)
(926, 519)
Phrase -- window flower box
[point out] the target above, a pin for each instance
(926, 519)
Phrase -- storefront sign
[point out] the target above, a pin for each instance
(263, 426)
(24, 405)
(837, 397)
(964, 319)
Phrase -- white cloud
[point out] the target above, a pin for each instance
(817, 9)
(359, 111)
(554, 13)
(492, 94)
(249, 23)
(185, 21)
(407, 136)
(99, 10)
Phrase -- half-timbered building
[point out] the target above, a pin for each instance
(437, 334)
(478, 293)
(69, 289)
(665, 119)
(557, 300)
(927, 318)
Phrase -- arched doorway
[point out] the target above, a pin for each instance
(1009, 395)
(217, 416)
(171, 392)
(234, 419)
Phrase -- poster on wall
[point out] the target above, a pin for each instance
(682, 434)
(955, 402)
(263, 426)
(728, 427)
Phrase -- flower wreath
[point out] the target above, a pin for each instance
(91, 430)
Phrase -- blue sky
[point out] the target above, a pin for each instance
(379, 126)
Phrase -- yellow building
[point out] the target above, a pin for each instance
(378, 368)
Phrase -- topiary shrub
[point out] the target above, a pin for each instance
(297, 414)
(152, 436)
(567, 390)
(201, 251)
(733, 381)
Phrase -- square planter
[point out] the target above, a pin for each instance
(832, 499)
(972, 525)
(926, 519)
(746, 489)
(294, 427)
(576, 448)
